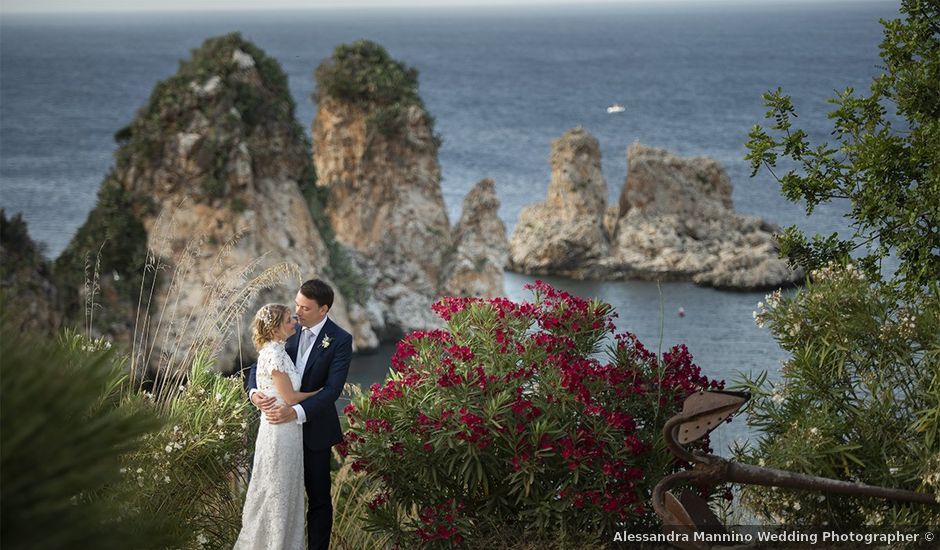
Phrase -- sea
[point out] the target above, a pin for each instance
(502, 82)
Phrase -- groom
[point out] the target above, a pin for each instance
(321, 350)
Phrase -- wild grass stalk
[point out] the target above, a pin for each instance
(91, 290)
(169, 331)
(351, 493)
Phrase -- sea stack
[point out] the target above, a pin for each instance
(675, 221)
(481, 249)
(565, 234)
(209, 182)
(376, 152)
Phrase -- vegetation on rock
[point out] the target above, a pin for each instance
(364, 74)
(111, 243)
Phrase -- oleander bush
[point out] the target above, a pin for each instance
(194, 470)
(509, 425)
(858, 400)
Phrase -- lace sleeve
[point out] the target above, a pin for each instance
(271, 359)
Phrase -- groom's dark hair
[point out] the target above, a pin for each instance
(318, 290)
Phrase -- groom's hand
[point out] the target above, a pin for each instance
(280, 415)
(262, 401)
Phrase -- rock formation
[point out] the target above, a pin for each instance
(565, 234)
(214, 182)
(675, 221)
(213, 171)
(480, 244)
(376, 152)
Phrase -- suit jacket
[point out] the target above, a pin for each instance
(326, 370)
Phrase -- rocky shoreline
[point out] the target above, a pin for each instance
(674, 221)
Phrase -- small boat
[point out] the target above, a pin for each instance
(616, 108)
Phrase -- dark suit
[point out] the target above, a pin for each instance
(326, 370)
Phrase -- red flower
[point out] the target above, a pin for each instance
(378, 425)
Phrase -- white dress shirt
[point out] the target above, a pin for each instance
(301, 363)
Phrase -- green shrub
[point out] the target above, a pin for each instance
(364, 73)
(66, 423)
(387, 120)
(194, 471)
(508, 425)
(20, 252)
(859, 400)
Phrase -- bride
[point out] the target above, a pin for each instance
(273, 516)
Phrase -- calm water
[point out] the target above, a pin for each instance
(502, 83)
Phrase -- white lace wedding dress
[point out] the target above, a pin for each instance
(273, 517)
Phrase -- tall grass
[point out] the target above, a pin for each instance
(351, 493)
(193, 471)
(169, 333)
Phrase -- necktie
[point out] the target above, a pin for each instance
(306, 340)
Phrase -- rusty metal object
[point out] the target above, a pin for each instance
(701, 413)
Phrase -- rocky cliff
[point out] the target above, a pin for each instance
(565, 234)
(210, 180)
(375, 150)
(481, 249)
(675, 221)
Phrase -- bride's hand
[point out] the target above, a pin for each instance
(262, 401)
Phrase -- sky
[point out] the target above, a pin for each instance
(67, 6)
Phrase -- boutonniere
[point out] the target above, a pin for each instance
(325, 343)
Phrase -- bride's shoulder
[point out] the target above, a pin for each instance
(270, 348)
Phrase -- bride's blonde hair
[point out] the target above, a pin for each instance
(266, 322)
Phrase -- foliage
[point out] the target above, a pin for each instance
(507, 423)
(352, 491)
(114, 240)
(195, 470)
(859, 398)
(364, 74)
(66, 423)
(19, 251)
(885, 166)
(26, 286)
